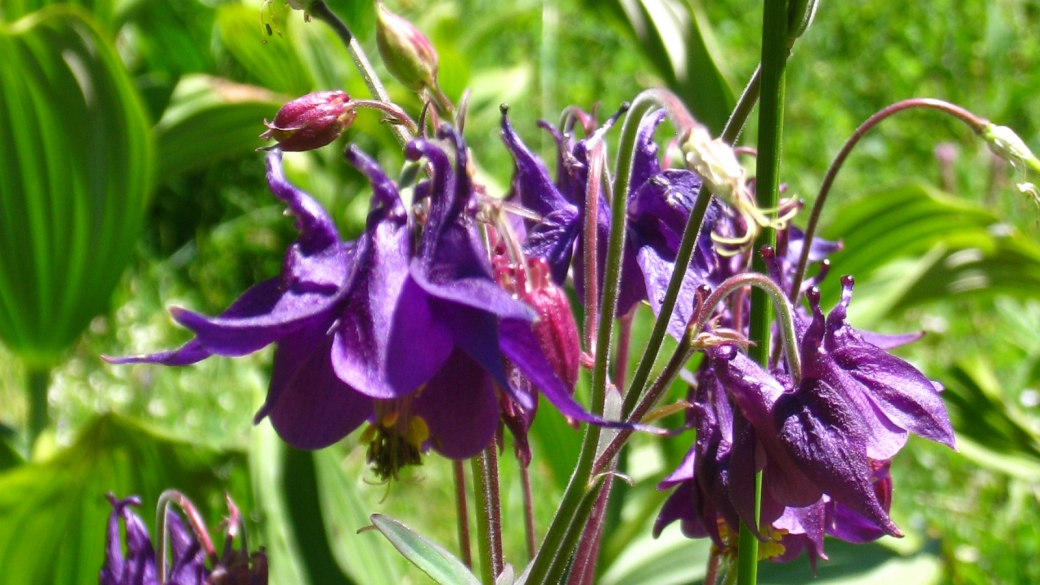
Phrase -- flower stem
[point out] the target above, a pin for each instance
(770, 133)
(462, 514)
(711, 574)
(38, 380)
(977, 124)
(321, 11)
(489, 513)
(742, 111)
(529, 530)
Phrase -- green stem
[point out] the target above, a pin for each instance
(573, 533)
(770, 132)
(38, 380)
(745, 104)
(321, 11)
(489, 514)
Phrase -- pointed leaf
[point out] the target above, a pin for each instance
(435, 561)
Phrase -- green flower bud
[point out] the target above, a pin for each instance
(407, 53)
(1007, 145)
(800, 14)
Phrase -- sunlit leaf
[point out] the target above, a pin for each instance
(75, 164)
(270, 61)
(53, 514)
(364, 559)
(210, 118)
(102, 10)
(672, 35)
(434, 560)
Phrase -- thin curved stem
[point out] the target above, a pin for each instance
(529, 529)
(686, 348)
(977, 124)
(396, 114)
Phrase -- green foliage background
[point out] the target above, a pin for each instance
(208, 74)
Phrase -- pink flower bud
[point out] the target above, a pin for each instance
(311, 121)
(407, 53)
(554, 327)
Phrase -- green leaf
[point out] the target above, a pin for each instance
(364, 559)
(210, 118)
(858, 564)
(9, 456)
(271, 61)
(101, 9)
(436, 562)
(675, 37)
(300, 483)
(75, 165)
(53, 514)
(267, 469)
(965, 251)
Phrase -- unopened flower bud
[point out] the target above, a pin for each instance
(800, 14)
(407, 53)
(311, 121)
(1007, 145)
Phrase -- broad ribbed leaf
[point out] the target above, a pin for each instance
(53, 514)
(434, 560)
(75, 162)
(672, 34)
(210, 118)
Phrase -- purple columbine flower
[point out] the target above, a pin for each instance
(454, 327)
(660, 202)
(308, 404)
(138, 565)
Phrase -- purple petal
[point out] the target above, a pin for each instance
(644, 159)
(825, 436)
(889, 341)
(418, 344)
(476, 333)
(317, 230)
(553, 238)
(904, 394)
(682, 473)
(531, 181)
(460, 408)
(384, 192)
(472, 291)
(308, 404)
(362, 334)
(656, 273)
(188, 558)
(189, 353)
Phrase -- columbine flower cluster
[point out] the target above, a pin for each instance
(406, 328)
(823, 441)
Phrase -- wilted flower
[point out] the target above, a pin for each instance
(311, 121)
(407, 53)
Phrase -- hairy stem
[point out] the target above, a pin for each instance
(489, 513)
(746, 103)
(461, 513)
